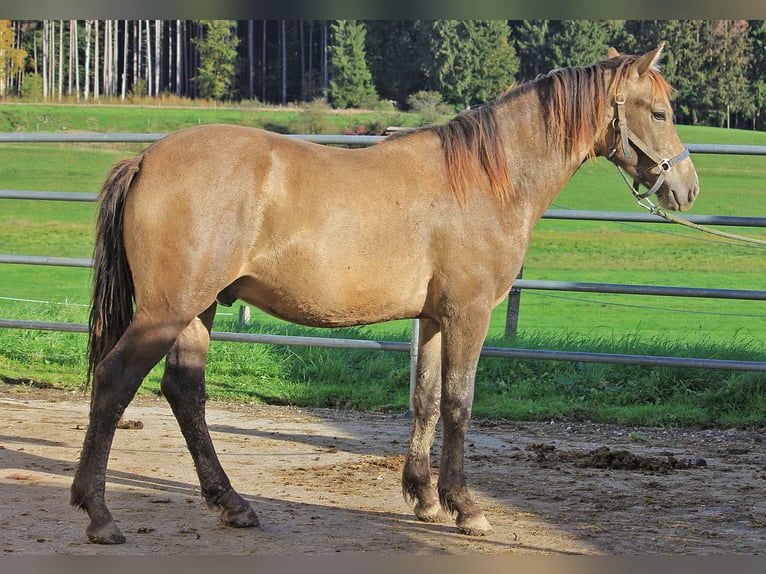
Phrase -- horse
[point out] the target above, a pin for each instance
(432, 224)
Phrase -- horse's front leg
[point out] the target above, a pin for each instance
(461, 347)
(183, 385)
(417, 484)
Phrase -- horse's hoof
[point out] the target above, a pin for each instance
(430, 513)
(474, 525)
(241, 518)
(105, 534)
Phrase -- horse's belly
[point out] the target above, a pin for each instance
(327, 301)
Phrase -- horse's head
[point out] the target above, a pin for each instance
(641, 138)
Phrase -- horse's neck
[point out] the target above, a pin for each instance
(538, 165)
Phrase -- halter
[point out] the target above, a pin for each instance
(627, 136)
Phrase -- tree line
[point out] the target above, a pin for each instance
(718, 67)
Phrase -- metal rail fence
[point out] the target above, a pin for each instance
(411, 347)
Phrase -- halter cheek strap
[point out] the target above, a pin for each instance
(626, 136)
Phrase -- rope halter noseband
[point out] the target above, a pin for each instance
(626, 136)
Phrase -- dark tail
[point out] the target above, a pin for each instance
(112, 298)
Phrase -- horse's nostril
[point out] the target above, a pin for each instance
(694, 193)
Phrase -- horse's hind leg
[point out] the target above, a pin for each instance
(417, 484)
(183, 385)
(115, 381)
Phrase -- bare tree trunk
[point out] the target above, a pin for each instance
(45, 59)
(250, 56)
(124, 63)
(263, 64)
(325, 78)
(284, 64)
(74, 60)
(311, 60)
(303, 63)
(157, 55)
(70, 64)
(61, 59)
(96, 54)
(179, 61)
(149, 74)
(107, 67)
(136, 53)
(115, 54)
(86, 89)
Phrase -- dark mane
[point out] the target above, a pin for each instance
(574, 102)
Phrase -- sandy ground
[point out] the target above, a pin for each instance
(327, 482)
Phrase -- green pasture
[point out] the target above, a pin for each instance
(656, 254)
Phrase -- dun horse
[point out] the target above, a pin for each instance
(432, 224)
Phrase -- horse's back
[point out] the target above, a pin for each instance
(312, 233)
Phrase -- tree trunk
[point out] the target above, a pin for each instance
(284, 64)
(96, 55)
(303, 63)
(250, 59)
(106, 66)
(76, 59)
(124, 63)
(86, 88)
(325, 75)
(263, 64)
(149, 74)
(45, 59)
(61, 59)
(178, 58)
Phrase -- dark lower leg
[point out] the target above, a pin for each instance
(116, 380)
(183, 385)
(454, 495)
(461, 356)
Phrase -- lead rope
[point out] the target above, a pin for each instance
(680, 220)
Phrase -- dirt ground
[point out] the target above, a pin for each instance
(327, 482)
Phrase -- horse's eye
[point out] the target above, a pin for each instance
(659, 115)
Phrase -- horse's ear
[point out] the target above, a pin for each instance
(650, 60)
(612, 53)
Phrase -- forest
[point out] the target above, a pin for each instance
(717, 67)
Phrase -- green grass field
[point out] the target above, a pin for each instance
(657, 254)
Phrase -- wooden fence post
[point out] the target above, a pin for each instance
(244, 315)
(512, 314)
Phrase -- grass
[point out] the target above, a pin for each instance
(560, 250)
(369, 380)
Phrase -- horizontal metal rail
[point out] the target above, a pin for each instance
(147, 137)
(645, 217)
(630, 289)
(372, 345)
(88, 137)
(48, 195)
(45, 260)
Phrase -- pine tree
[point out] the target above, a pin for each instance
(757, 71)
(530, 38)
(471, 60)
(577, 42)
(351, 83)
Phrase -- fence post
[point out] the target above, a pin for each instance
(414, 344)
(512, 314)
(244, 315)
